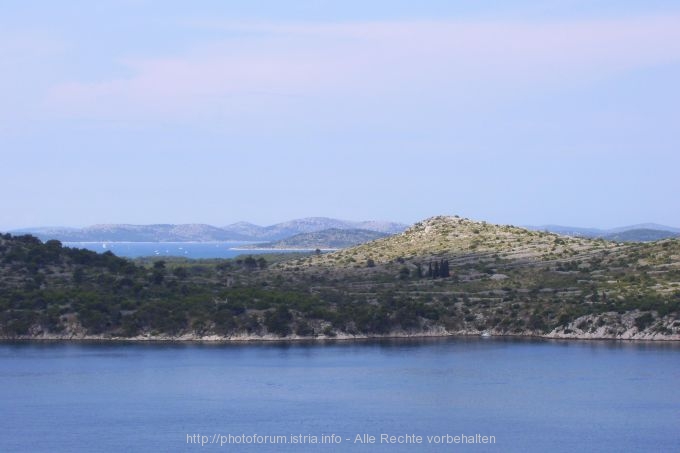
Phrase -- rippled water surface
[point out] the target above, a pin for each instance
(529, 395)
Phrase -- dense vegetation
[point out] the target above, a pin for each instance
(47, 287)
(448, 274)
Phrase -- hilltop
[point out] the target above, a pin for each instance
(442, 276)
(448, 236)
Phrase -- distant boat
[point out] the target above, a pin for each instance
(485, 334)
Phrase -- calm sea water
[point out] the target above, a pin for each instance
(529, 395)
(193, 250)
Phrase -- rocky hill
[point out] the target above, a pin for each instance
(508, 280)
(444, 236)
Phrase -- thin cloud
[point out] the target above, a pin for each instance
(372, 60)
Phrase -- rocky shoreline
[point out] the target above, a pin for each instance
(605, 326)
(629, 335)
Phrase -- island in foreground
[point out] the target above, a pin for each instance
(442, 276)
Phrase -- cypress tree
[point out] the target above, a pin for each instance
(445, 269)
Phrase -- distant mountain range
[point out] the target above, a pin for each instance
(307, 225)
(244, 231)
(644, 232)
(241, 231)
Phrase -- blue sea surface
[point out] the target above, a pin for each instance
(194, 250)
(529, 395)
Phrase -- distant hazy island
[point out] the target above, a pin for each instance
(645, 232)
(309, 232)
(197, 232)
(442, 276)
(333, 238)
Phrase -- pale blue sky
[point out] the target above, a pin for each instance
(523, 112)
